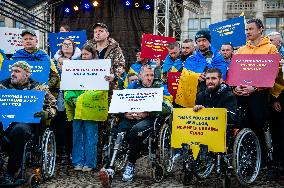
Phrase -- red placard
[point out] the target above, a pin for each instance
(257, 70)
(155, 46)
(173, 81)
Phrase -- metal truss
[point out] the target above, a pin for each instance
(168, 14)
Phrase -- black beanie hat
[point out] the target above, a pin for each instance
(203, 34)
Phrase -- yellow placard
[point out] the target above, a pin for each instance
(187, 89)
(207, 126)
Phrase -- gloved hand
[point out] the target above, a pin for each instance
(42, 114)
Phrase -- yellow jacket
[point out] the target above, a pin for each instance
(264, 47)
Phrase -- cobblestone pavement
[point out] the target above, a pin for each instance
(65, 176)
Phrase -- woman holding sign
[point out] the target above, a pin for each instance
(87, 108)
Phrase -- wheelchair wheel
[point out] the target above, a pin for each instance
(48, 154)
(121, 160)
(164, 146)
(246, 156)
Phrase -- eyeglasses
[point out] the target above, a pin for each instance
(67, 44)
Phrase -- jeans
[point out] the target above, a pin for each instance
(85, 139)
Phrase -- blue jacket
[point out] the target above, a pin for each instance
(197, 62)
(281, 51)
(169, 63)
(39, 55)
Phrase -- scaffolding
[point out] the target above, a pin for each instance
(168, 16)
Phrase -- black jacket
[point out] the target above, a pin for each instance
(222, 98)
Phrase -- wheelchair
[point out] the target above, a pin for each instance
(38, 162)
(242, 158)
(157, 141)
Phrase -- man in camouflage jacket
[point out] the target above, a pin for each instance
(19, 133)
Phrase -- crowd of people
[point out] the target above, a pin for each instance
(79, 135)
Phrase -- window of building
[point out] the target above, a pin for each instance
(2, 22)
(193, 23)
(204, 23)
(274, 24)
(19, 25)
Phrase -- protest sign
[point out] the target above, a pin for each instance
(232, 30)
(40, 70)
(11, 39)
(155, 46)
(257, 70)
(20, 106)
(136, 100)
(207, 127)
(173, 81)
(55, 39)
(85, 74)
(187, 89)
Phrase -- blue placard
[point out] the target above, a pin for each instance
(55, 39)
(40, 70)
(232, 30)
(20, 106)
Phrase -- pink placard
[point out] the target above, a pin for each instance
(257, 70)
(155, 46)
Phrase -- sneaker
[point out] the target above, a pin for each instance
(77, 168)
(86, 169)
(106, 176)
(129, 172)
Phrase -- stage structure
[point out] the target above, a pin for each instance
(168, 16)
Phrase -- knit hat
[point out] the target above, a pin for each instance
(203, 34)
(23, 65)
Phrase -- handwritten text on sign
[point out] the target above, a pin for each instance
(20, 106)
(207, 126)
(11, 39)
(155, 46)
(39, 70)
(85, 74)
(232, 30)
(257, 70)
(136, 100)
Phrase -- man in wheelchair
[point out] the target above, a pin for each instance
(19, 133)
(134, 123)
(217, 95)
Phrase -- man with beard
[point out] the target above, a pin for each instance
(187, 49)
(205, 57)
(20, 133)
(227, 51)
(216, 95)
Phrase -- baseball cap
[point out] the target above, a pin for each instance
(28, 31)
(101, 25)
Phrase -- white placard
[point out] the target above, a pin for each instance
(11, 39)
(85, 74)
(136, 100)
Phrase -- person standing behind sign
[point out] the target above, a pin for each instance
(85, 126)
(255, 100)
(32, 53)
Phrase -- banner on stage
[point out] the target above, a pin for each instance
(56, 39)
(40, 70)
(207, 127)
(136, 100)
(257, 70)
(20, 106)
(85, 74)
(232, 30)
(155, 46)
(11, 39)
(173, 81)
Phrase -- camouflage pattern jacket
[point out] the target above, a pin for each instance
(49, 103)
(113, 52)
